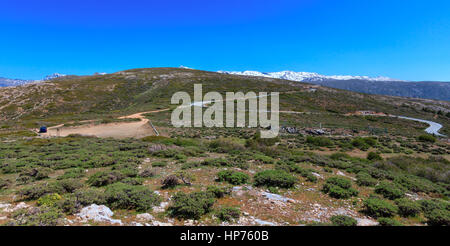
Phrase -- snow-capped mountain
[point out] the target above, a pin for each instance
(53, 76)
(308, 77)
(364, 84)
(4, 82)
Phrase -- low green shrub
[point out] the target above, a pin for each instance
(319, 141)
(32, 174)
(74, 173)
(228, 214)
(49, 200)
(373, 156)
(4, 183)
(338, 187)
(132, 181)
(379, 208)
(416, 184)
(218, 192)
(232, 177)
(126, 169)
(306, 173)
(339, 156)
(36, 191)
(340, 181)
(257, 142)
(159, 164)
(438, 217)
(42, 216)
(69, 204)
(436, 211)
(191, 164)
(360, 144)
(432, 204)
(223, 145)
(69, 185)
(343, 220)
(263, 159)
(147, 173)
(276, 178)
(104, 178)
(427, 138)
(170, 181)
(90, 196)
(407, 208)
(389, 190)
(192, 205)
(364, 179)
(124, 196)
(388, 222)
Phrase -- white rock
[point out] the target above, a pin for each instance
(317, 175)
(161, 208)
(343, 174)
(136, 224)
(366, 222)
(189, 223)
(264, 223)
(277, 197)
(8, 207)
(98, 214)
(145, 217)
(158, 223)
(5, 206)
(21, 206)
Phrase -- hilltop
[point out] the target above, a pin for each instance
(76, 98)
(111, 156)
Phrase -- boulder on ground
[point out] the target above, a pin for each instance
(97, 213)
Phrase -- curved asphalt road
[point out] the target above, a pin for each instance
(433, 129)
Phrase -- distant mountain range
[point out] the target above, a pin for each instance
(364, 84)
(53, 76)
(307, 77)
(5, 82)
(13, 82)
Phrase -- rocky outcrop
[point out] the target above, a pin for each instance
(97, 213)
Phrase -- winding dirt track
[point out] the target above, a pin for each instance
(143, 127)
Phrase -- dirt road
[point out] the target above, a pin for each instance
(135, 129)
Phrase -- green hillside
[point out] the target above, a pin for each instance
(363, 170)
(107, 96)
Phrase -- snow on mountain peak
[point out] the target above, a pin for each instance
(53, 76)
(307, 76)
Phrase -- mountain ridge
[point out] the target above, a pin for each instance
(364, 84)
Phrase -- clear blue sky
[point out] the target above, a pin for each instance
(404, 39)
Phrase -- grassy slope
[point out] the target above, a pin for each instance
(93, 97)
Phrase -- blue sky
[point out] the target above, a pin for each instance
(404, 39)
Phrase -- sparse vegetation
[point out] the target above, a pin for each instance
(58, 176)
(126, 196)
(339, 187)
(343, 220)
(233, 177)
(389, 190)
(191, 206)
(379, 208)
(276, 178)
(228, 214)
